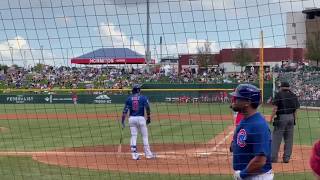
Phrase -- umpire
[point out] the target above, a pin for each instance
(285, 112)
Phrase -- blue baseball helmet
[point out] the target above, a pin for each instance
(248, 92)
(136, 88)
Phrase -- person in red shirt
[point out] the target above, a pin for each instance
(238, 116)
(74, 97)
(225, 97)
(315, 160)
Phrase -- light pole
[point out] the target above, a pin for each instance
(24, 59)
(41, 48)
(67, 56)
(155, 52)
(11, 54)
(160, 48)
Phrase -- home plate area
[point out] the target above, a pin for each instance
(171, 159)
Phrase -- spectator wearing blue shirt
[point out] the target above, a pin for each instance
(137, 104)
(252, 138)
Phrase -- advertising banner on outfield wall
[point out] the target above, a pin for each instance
(17, 99)
(61, 99)
(167, 97)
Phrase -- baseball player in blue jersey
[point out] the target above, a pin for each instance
(136, 104)
(252, 138)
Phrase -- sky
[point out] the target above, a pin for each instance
(53, 32)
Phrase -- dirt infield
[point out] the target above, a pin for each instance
(210, 158)
(171, 159)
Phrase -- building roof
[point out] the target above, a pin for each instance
(112, 53)
(111, 56)
(170, 59)
(311, 11)
(270, 55)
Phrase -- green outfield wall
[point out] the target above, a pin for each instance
(183, 95)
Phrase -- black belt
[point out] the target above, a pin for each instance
(284, 113)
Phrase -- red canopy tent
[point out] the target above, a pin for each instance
(111, 56)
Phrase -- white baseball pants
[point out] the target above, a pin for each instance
(136, 123)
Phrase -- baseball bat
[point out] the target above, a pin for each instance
(120, 143)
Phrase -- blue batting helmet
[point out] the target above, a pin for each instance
(248, 92)
(136, 88)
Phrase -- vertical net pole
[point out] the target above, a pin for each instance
(262, 66)
(148, 37)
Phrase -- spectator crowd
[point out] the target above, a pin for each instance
(102, 77)
(304, 80)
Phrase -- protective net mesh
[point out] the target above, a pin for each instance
(67, 68)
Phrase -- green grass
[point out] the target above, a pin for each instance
(167, 108)
(32, 133)
(295, 176)
(307, 129)
(185, 131)
(46, 134)
(59, 108)
(43, 134)
(25, 168)
(171, 108)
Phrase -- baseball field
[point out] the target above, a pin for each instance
(60, 141)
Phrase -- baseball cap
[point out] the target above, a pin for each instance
(315, 158)
(284, 84)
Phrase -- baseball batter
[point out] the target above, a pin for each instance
(252, 138)
(136, 104)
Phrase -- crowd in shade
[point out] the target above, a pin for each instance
(304, 82)
(218, 76)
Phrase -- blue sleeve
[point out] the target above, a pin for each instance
(147, 106)
(126, 106)
(260, 140)
(146, 102)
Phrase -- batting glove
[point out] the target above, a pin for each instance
(236, 175)
(148, 120)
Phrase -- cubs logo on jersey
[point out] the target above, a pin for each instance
(241, 138)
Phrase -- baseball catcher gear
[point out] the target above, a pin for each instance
(248, 92)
